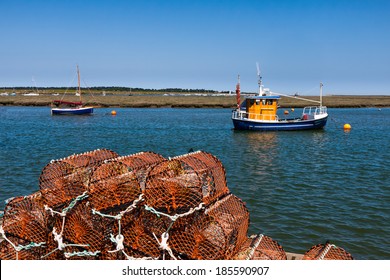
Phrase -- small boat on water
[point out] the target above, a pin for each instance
(259, 112)
(61, 107)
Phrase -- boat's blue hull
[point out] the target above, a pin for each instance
(72, 111)
(245, 124)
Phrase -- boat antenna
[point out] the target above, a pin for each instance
(259, 78)
(321, 85)
(78, 78)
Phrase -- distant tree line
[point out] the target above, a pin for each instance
(121, 89)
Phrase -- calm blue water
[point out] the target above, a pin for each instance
(301, 188)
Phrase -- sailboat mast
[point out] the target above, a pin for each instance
(321, 85)
(78, 78)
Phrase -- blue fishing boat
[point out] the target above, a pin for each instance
(61, 107)
(259, 112)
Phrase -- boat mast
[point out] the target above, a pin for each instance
(321, 85)
(259, 80)
(238, 93)
(35, 84)
(78, 78)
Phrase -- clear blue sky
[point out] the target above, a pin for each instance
(198, 44)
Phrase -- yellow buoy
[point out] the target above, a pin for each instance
(347, 126)
(113, 113)
(292, 109)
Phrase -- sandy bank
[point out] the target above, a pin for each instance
(139, 101)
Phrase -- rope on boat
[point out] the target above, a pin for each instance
(163, 244)
(138, 259)
(119, 238)
(20, 247)
(326, 250)
(120, 214)
(82, 254)
(176, 216)
(252, 251)
(70, 206)
(58, 236)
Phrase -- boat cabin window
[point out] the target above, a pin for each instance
(257, 102)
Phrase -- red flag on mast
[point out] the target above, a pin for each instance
(238, 92)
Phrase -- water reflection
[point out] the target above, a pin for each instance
(260, 150)
(258, 153)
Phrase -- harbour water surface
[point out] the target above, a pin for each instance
(301, 188)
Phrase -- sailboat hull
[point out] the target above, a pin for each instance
(72, 111)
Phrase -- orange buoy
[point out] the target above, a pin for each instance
(286, 112)
(347, 126)
(113, 113)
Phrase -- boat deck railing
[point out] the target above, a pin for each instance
(314, 110)
(238, 114)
